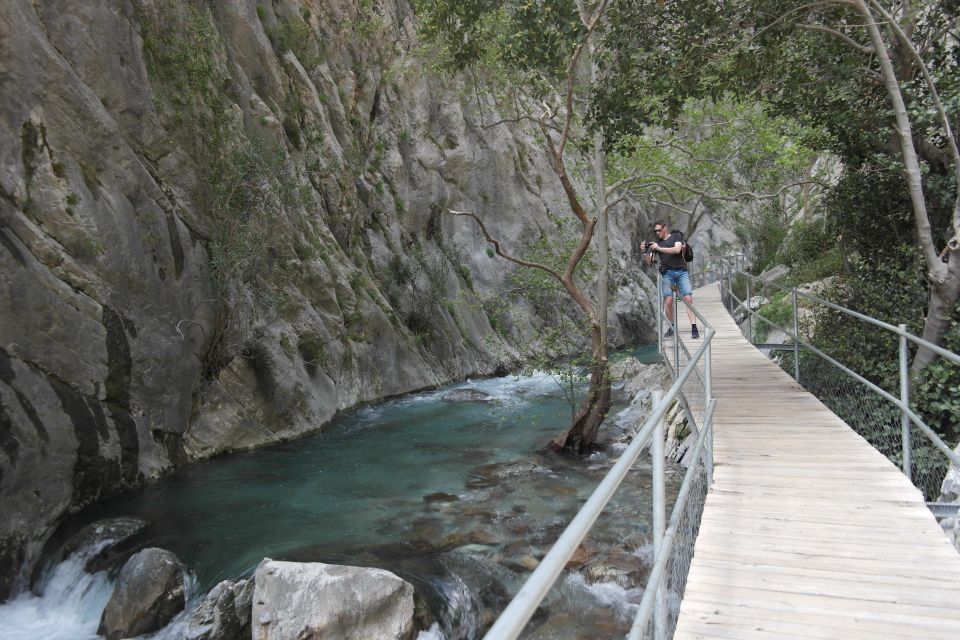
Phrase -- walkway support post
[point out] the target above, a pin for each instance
(730, 288)
(708, 397)
(749, 314)
(658, 305)
(659, 517)
(676, 333)
(796, 337)
(905, 399)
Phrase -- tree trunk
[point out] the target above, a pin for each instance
(942, 302)
(944, 279)
(586, 423)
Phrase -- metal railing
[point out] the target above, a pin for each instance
(693, 379)
(873, 415)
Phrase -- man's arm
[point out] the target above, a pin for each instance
(676, 248)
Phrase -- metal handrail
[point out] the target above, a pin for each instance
(902, 403)
(515, 617)
(641, 620)
(940, 351)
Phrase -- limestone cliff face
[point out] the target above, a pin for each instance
(222, 222)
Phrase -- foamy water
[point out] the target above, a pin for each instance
(68, 608)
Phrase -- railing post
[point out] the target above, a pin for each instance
(905, 399)
(730, 289)
(749, 315)
(659, 517)
(676, 335)
(796, 337)
(658, 305)
(708, 395)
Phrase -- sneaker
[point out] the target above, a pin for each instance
(694, 332)
(669, 333)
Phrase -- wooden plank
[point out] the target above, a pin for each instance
(807, 531)
(825, 624)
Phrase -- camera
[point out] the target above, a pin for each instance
(645, 245)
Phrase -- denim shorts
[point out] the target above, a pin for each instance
(679, 277)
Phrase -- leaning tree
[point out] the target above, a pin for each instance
(551, 45)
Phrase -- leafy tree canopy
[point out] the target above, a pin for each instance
(523, 35)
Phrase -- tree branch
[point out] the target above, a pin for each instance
(571, 72)
(936, 101)
(499, 251)
(805, 7)
(842, 36)
(561, 170)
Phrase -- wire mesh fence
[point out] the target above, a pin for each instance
(678, 566)
(854, 343)
(873, 417)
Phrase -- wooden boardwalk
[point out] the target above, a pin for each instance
(807, 531)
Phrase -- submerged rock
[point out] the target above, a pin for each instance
(466, 395)
(149, 592)
(320, 601)
(110, 536)
(440, 496)
(624, 569)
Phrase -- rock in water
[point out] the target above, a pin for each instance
(317, 601)
(149, 592)
(626, 368)
(224, 614)
(466, 395)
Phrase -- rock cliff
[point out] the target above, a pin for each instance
(223, 222)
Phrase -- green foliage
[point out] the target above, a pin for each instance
(937, 396)
(720, 153)
(311, 349)
(895, 292)
(294, 35)
(766, 232)
(286, 345)
(811, 252)
(779, 311)
(244, 185)
(520, 35)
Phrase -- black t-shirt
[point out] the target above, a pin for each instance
(671, 260)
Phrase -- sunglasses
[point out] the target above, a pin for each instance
(658, 229)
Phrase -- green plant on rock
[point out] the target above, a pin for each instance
(311, 349)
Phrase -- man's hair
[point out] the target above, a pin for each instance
(662, 224)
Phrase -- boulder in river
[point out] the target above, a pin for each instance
(224, 614)
(466, 395)
(112, 529)
(148, 593)
(626, 368)
(324, 601)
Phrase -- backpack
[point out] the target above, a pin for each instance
(686, 250)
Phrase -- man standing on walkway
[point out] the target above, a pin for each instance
(673, 270)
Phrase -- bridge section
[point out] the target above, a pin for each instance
(807, 531)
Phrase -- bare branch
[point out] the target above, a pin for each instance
(675, 207)
(551, 125)
(561, 170)
(183, 337)
(499, 251)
